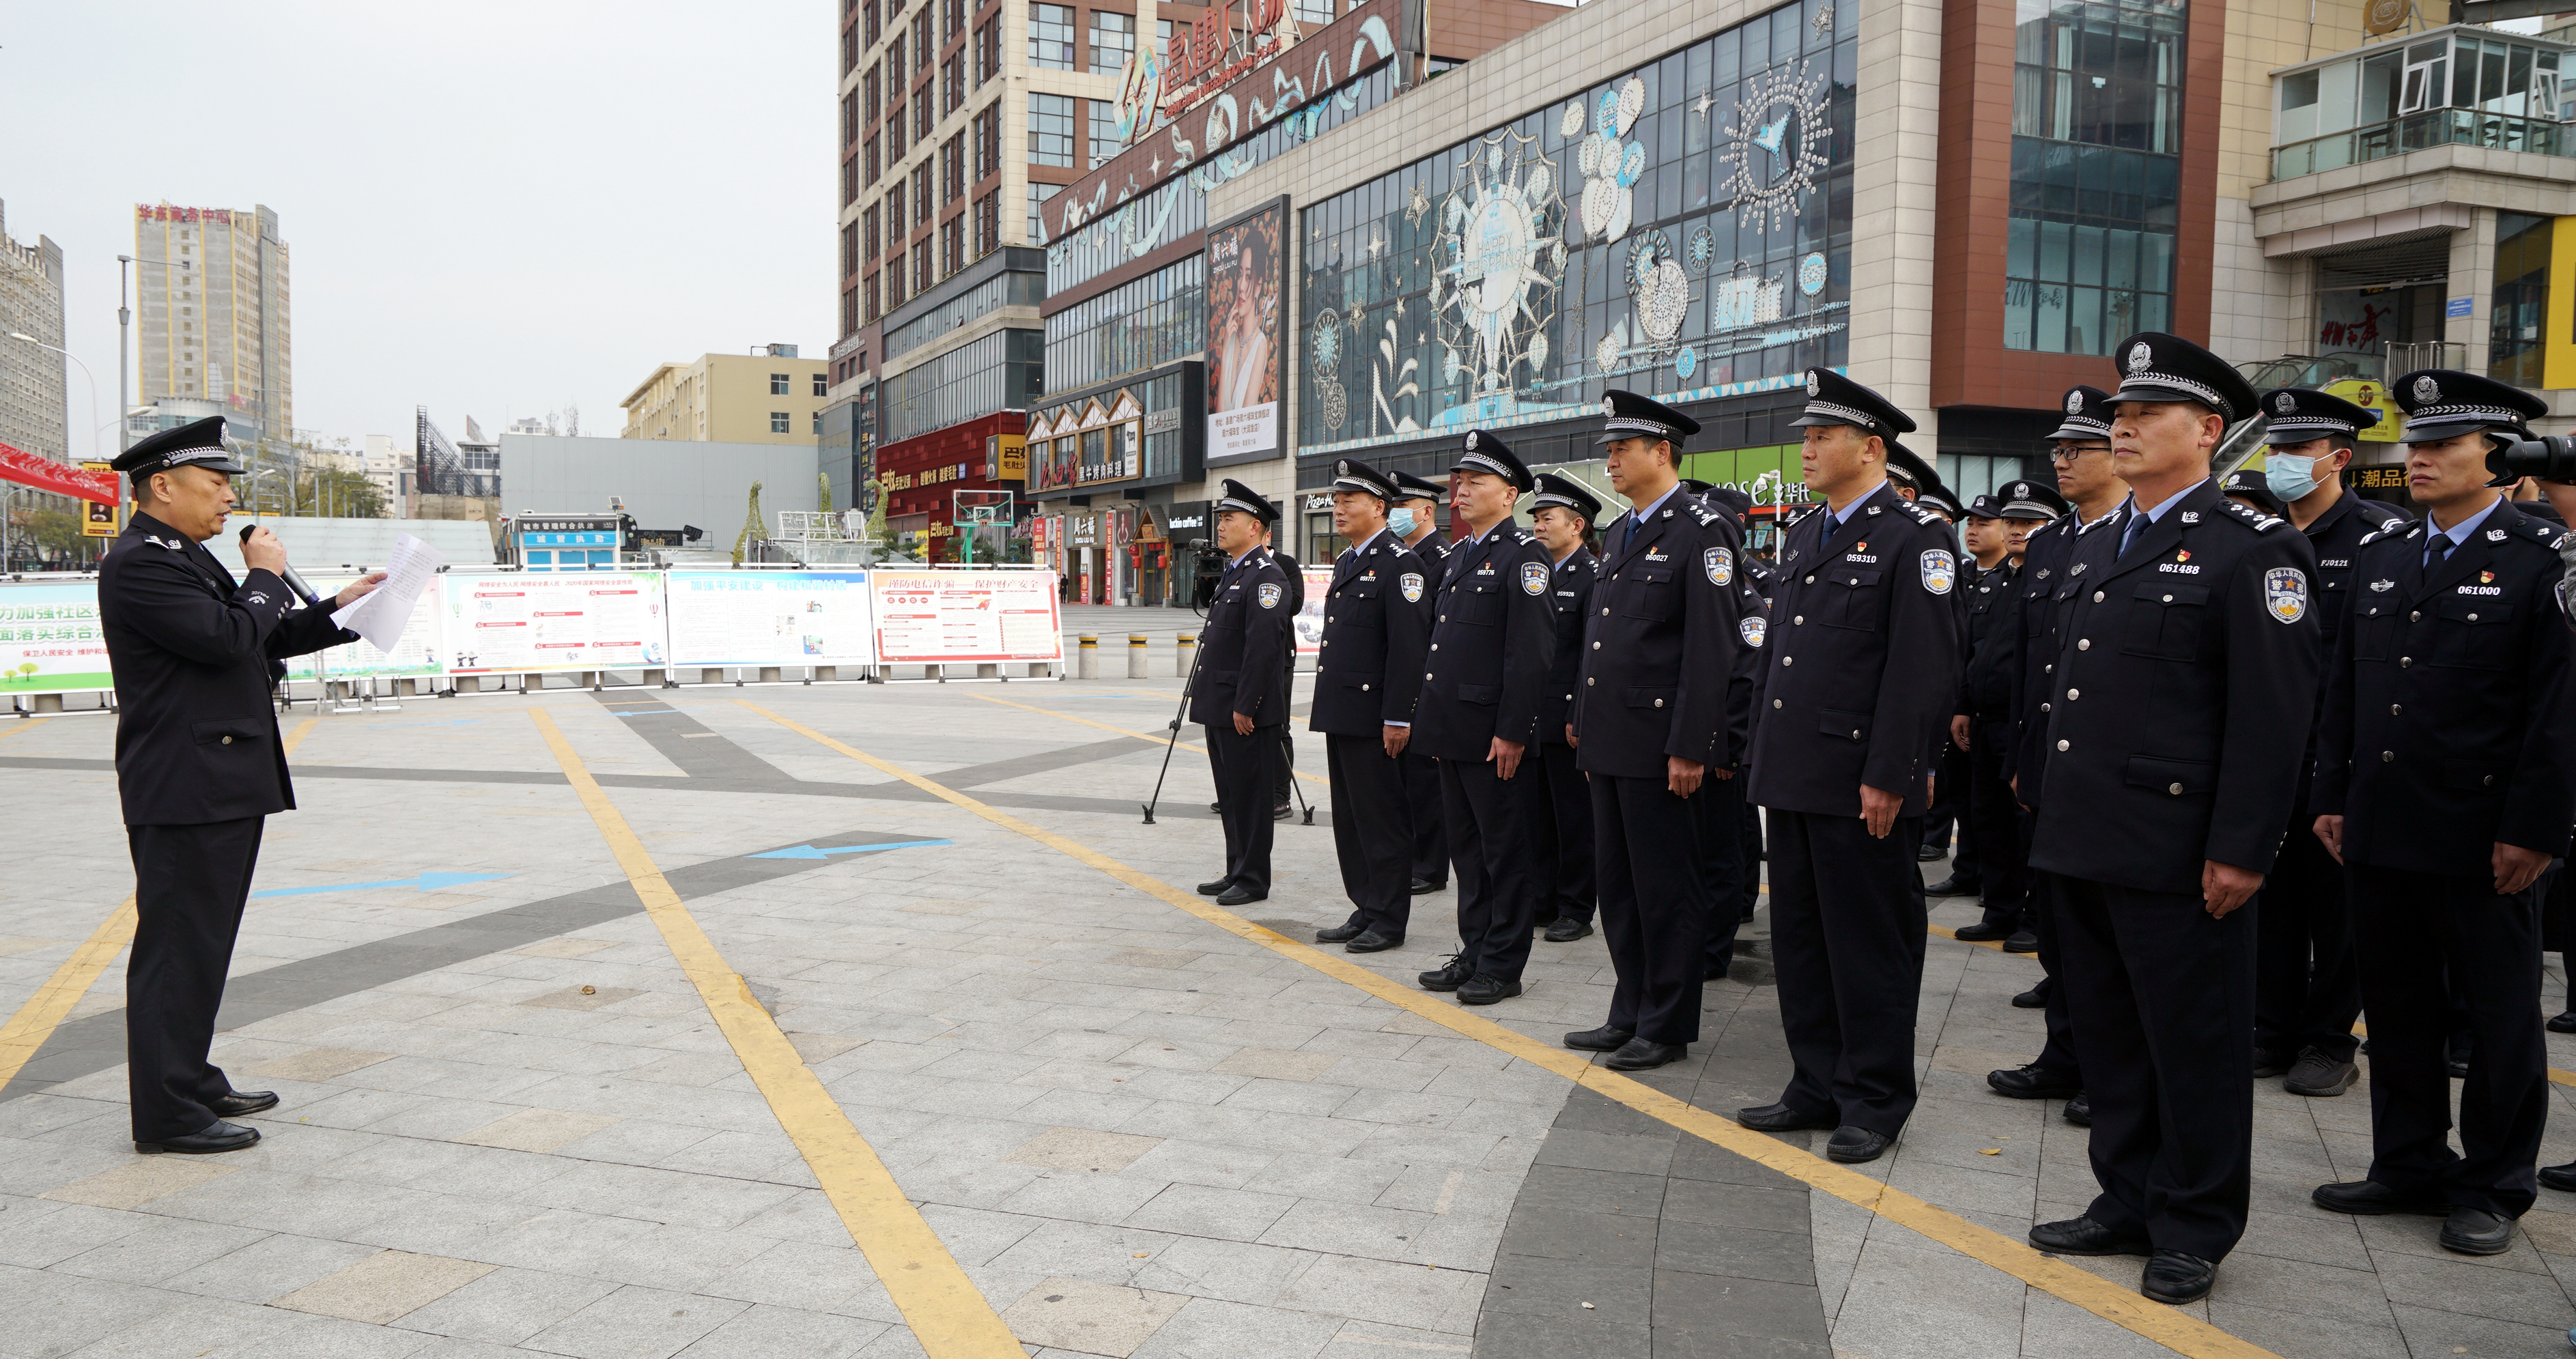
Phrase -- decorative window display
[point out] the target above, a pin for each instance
(1684, 230)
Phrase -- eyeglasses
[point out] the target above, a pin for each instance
(2067, 456)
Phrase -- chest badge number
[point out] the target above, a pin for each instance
(1271, 595)
(1752, 627)
(1720, 564)
(1940, 571)
(1411, 584)
(2285, 593)
(1534, 577)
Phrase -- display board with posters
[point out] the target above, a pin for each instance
(415, 655)
(770, 618)
(1247, 270)
(957, 617)
(529, 624)
(1309, 622)
(51, 640)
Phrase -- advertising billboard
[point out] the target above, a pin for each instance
(954, 617)
(1247, 270)
(51, 641)
(766, 618)
(528, 623)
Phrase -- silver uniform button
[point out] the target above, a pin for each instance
(2072, 694)
(1855, 733)
(2174, 788)
(1596, 646)
(1587, 680)
(1800, 620)
(1605, 612)
(2417, 616)
(2405, 661)
(2084, 644)
(2473, 618)
(1363, 688)
(2097, 596)
(2043, 707)
(1810, 580)
(2388, 757)
(2049, 669)
(2490, 778)
(228, 740)
(2168, 599)
(1659, 703)
(1788, 660)
(1775, 703)
(2395, 709)
(1435, 646)
(2062, 745)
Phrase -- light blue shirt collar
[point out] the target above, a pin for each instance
(1239, 560)
(2157, 514)
(1645, 512)
(2459, 532)
(1844, 515)
(1363, 545)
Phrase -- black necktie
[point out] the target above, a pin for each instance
(2130, 535)
(2437, 547)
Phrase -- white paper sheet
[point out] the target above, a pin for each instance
(381, 615)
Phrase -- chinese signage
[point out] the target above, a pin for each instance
(45, 474)
(949, 617)
(50, 639)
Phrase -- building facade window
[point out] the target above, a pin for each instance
(875, 86)
(952, 244)
(874, 18)
(868, 295)
(2519, 314)
(894, 280)
(988, 142)
(894, 67)
(849, 310)
(894, 215)
(1142, 324)
(849, 118)
(849, 250)
(778, 384)
(923, 114)
(922, 203)
(822, 385)
(1105, 144)
(953, 15)
(849, 181)
(988, 223)
(868, 224)
(1051, 129)
(849, 50)
(2096, 173)
(922, 260)
(894, 126)
(988, 50)
(1312, 14)
(1000, 371)
(952, 84)
(922, 45)
(781, 423)
(1038, 196)
(952, 167)
(876, 167)
(1051, 37)
(1113, 40)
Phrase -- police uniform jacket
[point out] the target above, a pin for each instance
(1864, 659)
(2335, 537)
(1752, 628)
(1569, 597)
(1243, 649)
(1991, 647)
(2042, 599)
(2181, 703)
(195, 654)
(2449, 724)
(1434, 550)
(1368, 671)
(1493, 633)
(1660, 643)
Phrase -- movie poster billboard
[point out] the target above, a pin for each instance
(1247, 269)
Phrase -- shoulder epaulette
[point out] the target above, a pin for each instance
(1921, 515)
(2252, 518)
(1703, 514)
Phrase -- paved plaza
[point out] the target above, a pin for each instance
(871, 1019)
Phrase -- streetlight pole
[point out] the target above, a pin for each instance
(124, 346)
(93, 391)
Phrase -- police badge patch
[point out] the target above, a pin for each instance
(1752, 628)
(1940, 571)
(1411, 584)
(1720, 564)
(2285, 593)
(1534, 577)
(1271, 595)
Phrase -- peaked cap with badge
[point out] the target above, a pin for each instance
(1626, 415)
(1985, 507)
(1350, 474)
(2030, 500)
(1941, 500)
(2441, 403)
(1411, 487)
(2251, 485)
(1566, 493)
(1833, 399)
(1480, 451)
(2303, 413)
(2155, 366)
(1243, 498)
(2088, 415)
(1907, 467)
(198, 443)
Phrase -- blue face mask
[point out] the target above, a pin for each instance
(2289, 478)
(1402, 522)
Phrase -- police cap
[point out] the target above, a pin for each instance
(1480, 451)
(2441, 402)
(1567, 493)
(1243, 498)
(199, 443)
(2155, 366)
(1833, 399)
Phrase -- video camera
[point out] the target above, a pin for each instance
(2550, 458)
(1207, 564)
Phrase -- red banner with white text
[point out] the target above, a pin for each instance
(45, 474)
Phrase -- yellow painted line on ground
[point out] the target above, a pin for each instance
(45, 1011)
(2170, 1327)
(1139, 735)
(1945, 932)
(948, 1317)
(16, 727)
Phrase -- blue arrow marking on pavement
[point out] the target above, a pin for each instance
(809, 852)
(427, 882)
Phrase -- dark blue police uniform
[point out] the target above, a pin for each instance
(1731, 833)
(1565, 852)
(1368, 674)
(1421, 774)
(1239, 671)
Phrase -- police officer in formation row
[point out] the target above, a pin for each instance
(2183, 717)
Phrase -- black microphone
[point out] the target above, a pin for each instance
(287, 573)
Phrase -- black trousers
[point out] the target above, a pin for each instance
(190, 884)
(1430, 839)
(1565, 853)
(1723, 863)
(1752, 823)
(1372, 831)
(1847, 926)
(2058, 1057)
(1994, 818)
(1493, 825)
(1246, 769)
(1950, 807)
(2488, 947)
(1655, 904)
(2162, 999)
(2307, 979)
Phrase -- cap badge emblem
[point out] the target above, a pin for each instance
(2426, 389)
(1471, 438)
(1609, 406)
(1342, 467)
(2140, 355)
(2074, 403)
(1813, 386)
(2285, 403)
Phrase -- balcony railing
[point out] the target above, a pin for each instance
(2419, 132)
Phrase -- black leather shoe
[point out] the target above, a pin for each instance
(1449, 976)
(1641, 1054)
(2079, 1110)
(2269, 1063)
(2560, 1178)
(2370, 1198)
(1979, 933)
(2029, 1000)
(2563, 1022)
(1482, 990)
(2084, 1236)
(1340, 934)
(2319, 1074)
(1853, 1145)
(1781, 1118)
(242, 1102)
(1210, 889)
(1607, 1038)
(1951, 887)
(1422, 887)
(2021, 941)
(214, 1137)
(1926, 854)
(1566, 931)
(2176, 1278)
(1370, 941)
(1282, 812)
(1236, 896)
(2029, 1082)
(2475, 1231)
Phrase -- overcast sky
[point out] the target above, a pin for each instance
(495, 209)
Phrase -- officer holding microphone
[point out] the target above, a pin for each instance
(199, 765)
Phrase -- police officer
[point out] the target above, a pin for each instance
(1561, 514)
(1240, 691)
(2080, 454)
(1863, 655)
(1493, 634)
(1415, 519)
(2178, 714)
(1751, 627)
(1650, 717)
(2446, 771)
(1368, 672)
(2307, 984)
(1984, 728)
(2246, 487)
(1295, 575)
(1985, 559)
(199, 765)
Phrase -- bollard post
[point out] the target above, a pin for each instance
(1185, 650)
(1086, 664)
(1135, 655)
